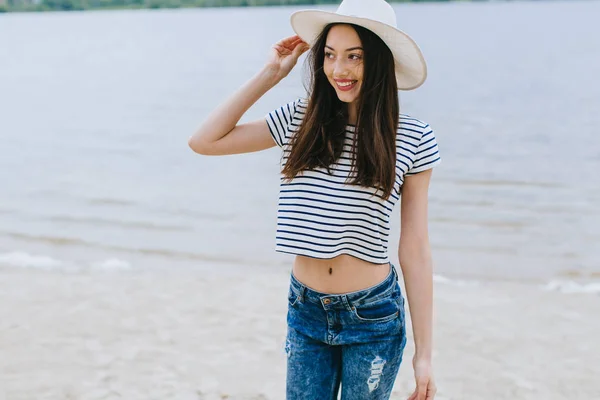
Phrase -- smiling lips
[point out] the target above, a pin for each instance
(345, 84)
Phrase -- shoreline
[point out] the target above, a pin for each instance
(176, 4)
(446, 270)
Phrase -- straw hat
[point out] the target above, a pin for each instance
(377, 16)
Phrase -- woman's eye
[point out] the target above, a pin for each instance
(355, 57)
(328, 54)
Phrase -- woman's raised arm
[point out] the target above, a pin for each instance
(220, 133)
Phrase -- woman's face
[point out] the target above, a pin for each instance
(343, 63)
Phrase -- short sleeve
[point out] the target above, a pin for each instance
(280, 120)
(427, 154)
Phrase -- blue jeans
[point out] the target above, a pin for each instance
(355, 340)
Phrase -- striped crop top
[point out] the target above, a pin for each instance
(320, 215)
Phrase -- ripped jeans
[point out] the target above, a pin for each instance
(353, 340)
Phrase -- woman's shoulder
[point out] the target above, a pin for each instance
(293, 103)
(412, 124)
(416, 141)
(295, 106)
(301, 103)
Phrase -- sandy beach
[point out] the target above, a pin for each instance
(218, 333)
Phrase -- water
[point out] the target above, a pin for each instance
(96, 109)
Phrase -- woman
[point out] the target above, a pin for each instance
(347, 156)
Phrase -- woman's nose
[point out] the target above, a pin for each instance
(339, 69)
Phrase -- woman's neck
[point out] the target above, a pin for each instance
(352, 113)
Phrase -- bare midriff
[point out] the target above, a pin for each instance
(341, 274)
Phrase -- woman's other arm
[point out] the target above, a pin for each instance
(415, 261)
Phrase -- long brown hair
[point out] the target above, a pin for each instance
(320, 138)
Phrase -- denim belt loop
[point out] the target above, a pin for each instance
(346, 302)
(302, 293)
(394, 272)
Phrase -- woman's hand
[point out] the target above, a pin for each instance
(284, 55)
(425, 389)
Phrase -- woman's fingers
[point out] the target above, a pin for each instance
(300, 48)
(285, 53)
(294, 45)
(292, 38)
(422, 390)
(431, 391)
(295, 48)
(290, 42)
(285, 42)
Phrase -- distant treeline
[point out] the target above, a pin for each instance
(69, 5)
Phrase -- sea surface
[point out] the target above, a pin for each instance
(96, 109)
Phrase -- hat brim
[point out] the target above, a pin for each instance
(410, 66)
